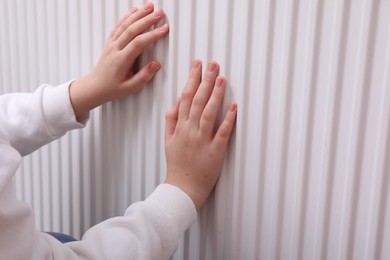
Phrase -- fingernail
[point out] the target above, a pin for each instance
(219, 82)
(211, 67)
(196, 64)
(158, 13)
(153, 67)
(148, 6)
(233, 107)
(133, 10)
(164, 28)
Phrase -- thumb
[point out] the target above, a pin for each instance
(138, 80)
(171, 118)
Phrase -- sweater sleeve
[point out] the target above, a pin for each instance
(31, 120)
(149, 229)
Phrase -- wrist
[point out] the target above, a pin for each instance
(198, 197)
(83, 97)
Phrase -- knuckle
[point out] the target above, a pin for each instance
(122, 27)
(198, 101)
(179, 129)
(113, 46)
(168, 115)
(137, 43)
(144, 77)
(130, 31)
(224, 133)
(186, 94)
(208, 116)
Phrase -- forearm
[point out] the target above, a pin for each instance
(84, 97)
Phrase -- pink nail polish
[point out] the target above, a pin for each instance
(233, 107)
(158, 13)
(148, 6)
(211, 67)
(153, 67)
(133, 10)
(196, 64)
(164, 28)
(219, 82)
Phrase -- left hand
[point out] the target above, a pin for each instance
(112, 77)
(194, 149)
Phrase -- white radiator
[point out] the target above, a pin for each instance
(307, 172)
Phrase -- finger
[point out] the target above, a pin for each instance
(139, 27)
(136, 82)
(138, 45)
(135, 16)
(124, 17)
(209, 115)
(202, 96)
(225, 129)
(171, 120)
(190, 89)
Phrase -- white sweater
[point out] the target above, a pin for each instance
(148, 230)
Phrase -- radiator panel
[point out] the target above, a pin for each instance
(306, 175)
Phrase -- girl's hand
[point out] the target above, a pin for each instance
(113, 77)
(194, 150)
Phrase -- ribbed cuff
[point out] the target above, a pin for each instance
(175, 203)
(58, 110)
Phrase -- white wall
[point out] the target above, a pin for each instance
(307, 172)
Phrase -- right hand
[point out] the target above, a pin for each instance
(112, 77)
(194, 150)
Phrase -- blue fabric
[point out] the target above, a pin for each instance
(62, 237)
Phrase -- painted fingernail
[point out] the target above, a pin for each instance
(233, 107)
(158, 13)
(164, 28)
(133, 10)
(148, 6)
(153, 67)
(219, 82)
(196, 64)
(211, 67)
